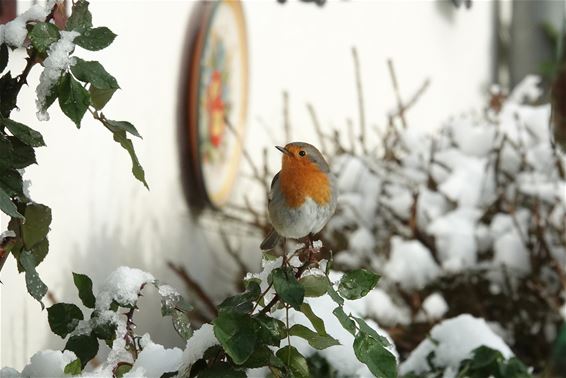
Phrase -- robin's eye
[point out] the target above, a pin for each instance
(302, 153)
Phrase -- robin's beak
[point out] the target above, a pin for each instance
(284, 150)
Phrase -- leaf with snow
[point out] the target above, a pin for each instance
(93, 72)
(24, 133)
(357, 283)
(43, 35)
(34, 284)
(63, 318)
(80, 19)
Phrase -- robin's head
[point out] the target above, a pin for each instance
(303, 156)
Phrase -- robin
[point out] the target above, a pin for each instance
(302, 197)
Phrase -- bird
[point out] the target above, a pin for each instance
(303, 195)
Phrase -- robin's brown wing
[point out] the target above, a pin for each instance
(275, 179)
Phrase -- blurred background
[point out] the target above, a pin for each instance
(398, 73)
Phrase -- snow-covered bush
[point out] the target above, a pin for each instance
(290, 313)
(80, 86)
(468, 219)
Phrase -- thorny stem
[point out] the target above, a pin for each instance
(129, 336)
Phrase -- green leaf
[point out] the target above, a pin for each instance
(94, 73)
(237, 333)
(182, 324)
(6, 152)
(36, 226)
(348, 324)
(242, 302)
(84, 284)
(43, 35)
(22, 154)
(484, 356)
(9, 90)
(294, 360)
(334, 295)
(73, 368)
(34, 284)
(40, 250)
(137, 169)
(85, 347)
(3, 56)
(315, 340)
(95, 39)
(315, 285)
(271, 330)
(287, 287)
(63, 318)
(262, 356)
(122, 126)
(73, 98)
(221, 370)
(24, 133)
(11, 182)
(100, 97)
(379, 360)
(104, 330)
(122, 369)
(365, 328)
(357, 283)
(80, 19)
(7, 206)
(317, 322)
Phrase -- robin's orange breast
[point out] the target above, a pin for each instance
(298, 183)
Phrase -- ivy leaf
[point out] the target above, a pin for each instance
(24, 133)
(11, 182)
(84, 285)
(137, 169)
(317, 322)
(34, 284)
(348, 324)
(80, 19)
(43, 35)
(356, 284)
(22, 154)
(3, 56)
(100, 97)
(315, 340)
(85, 347)
(94, 73)
(7, 206)
(122, 126)
(379, 360)
(271, 330)
(73, 368)
(63, 318)
(73, 98)
(95, 39)
(36, 226)
(294, 360)
(287, 287)
(237, 333)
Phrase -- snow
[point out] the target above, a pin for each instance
(123, 286)
(433, 308)
(381, 307)
(362, 241)
(528, 90)
(202, 339)
(512, 252)
(15, 31)
(155, 360)
(48, 363)
(411, 264)
(58, 60)
(452, 341)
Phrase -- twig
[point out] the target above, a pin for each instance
(360, 92)
(286, 118)
(193, 286)
(318, 129)
(400, 107)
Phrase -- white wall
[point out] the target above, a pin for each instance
(103, 218)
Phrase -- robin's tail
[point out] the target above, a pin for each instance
(270, 241)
